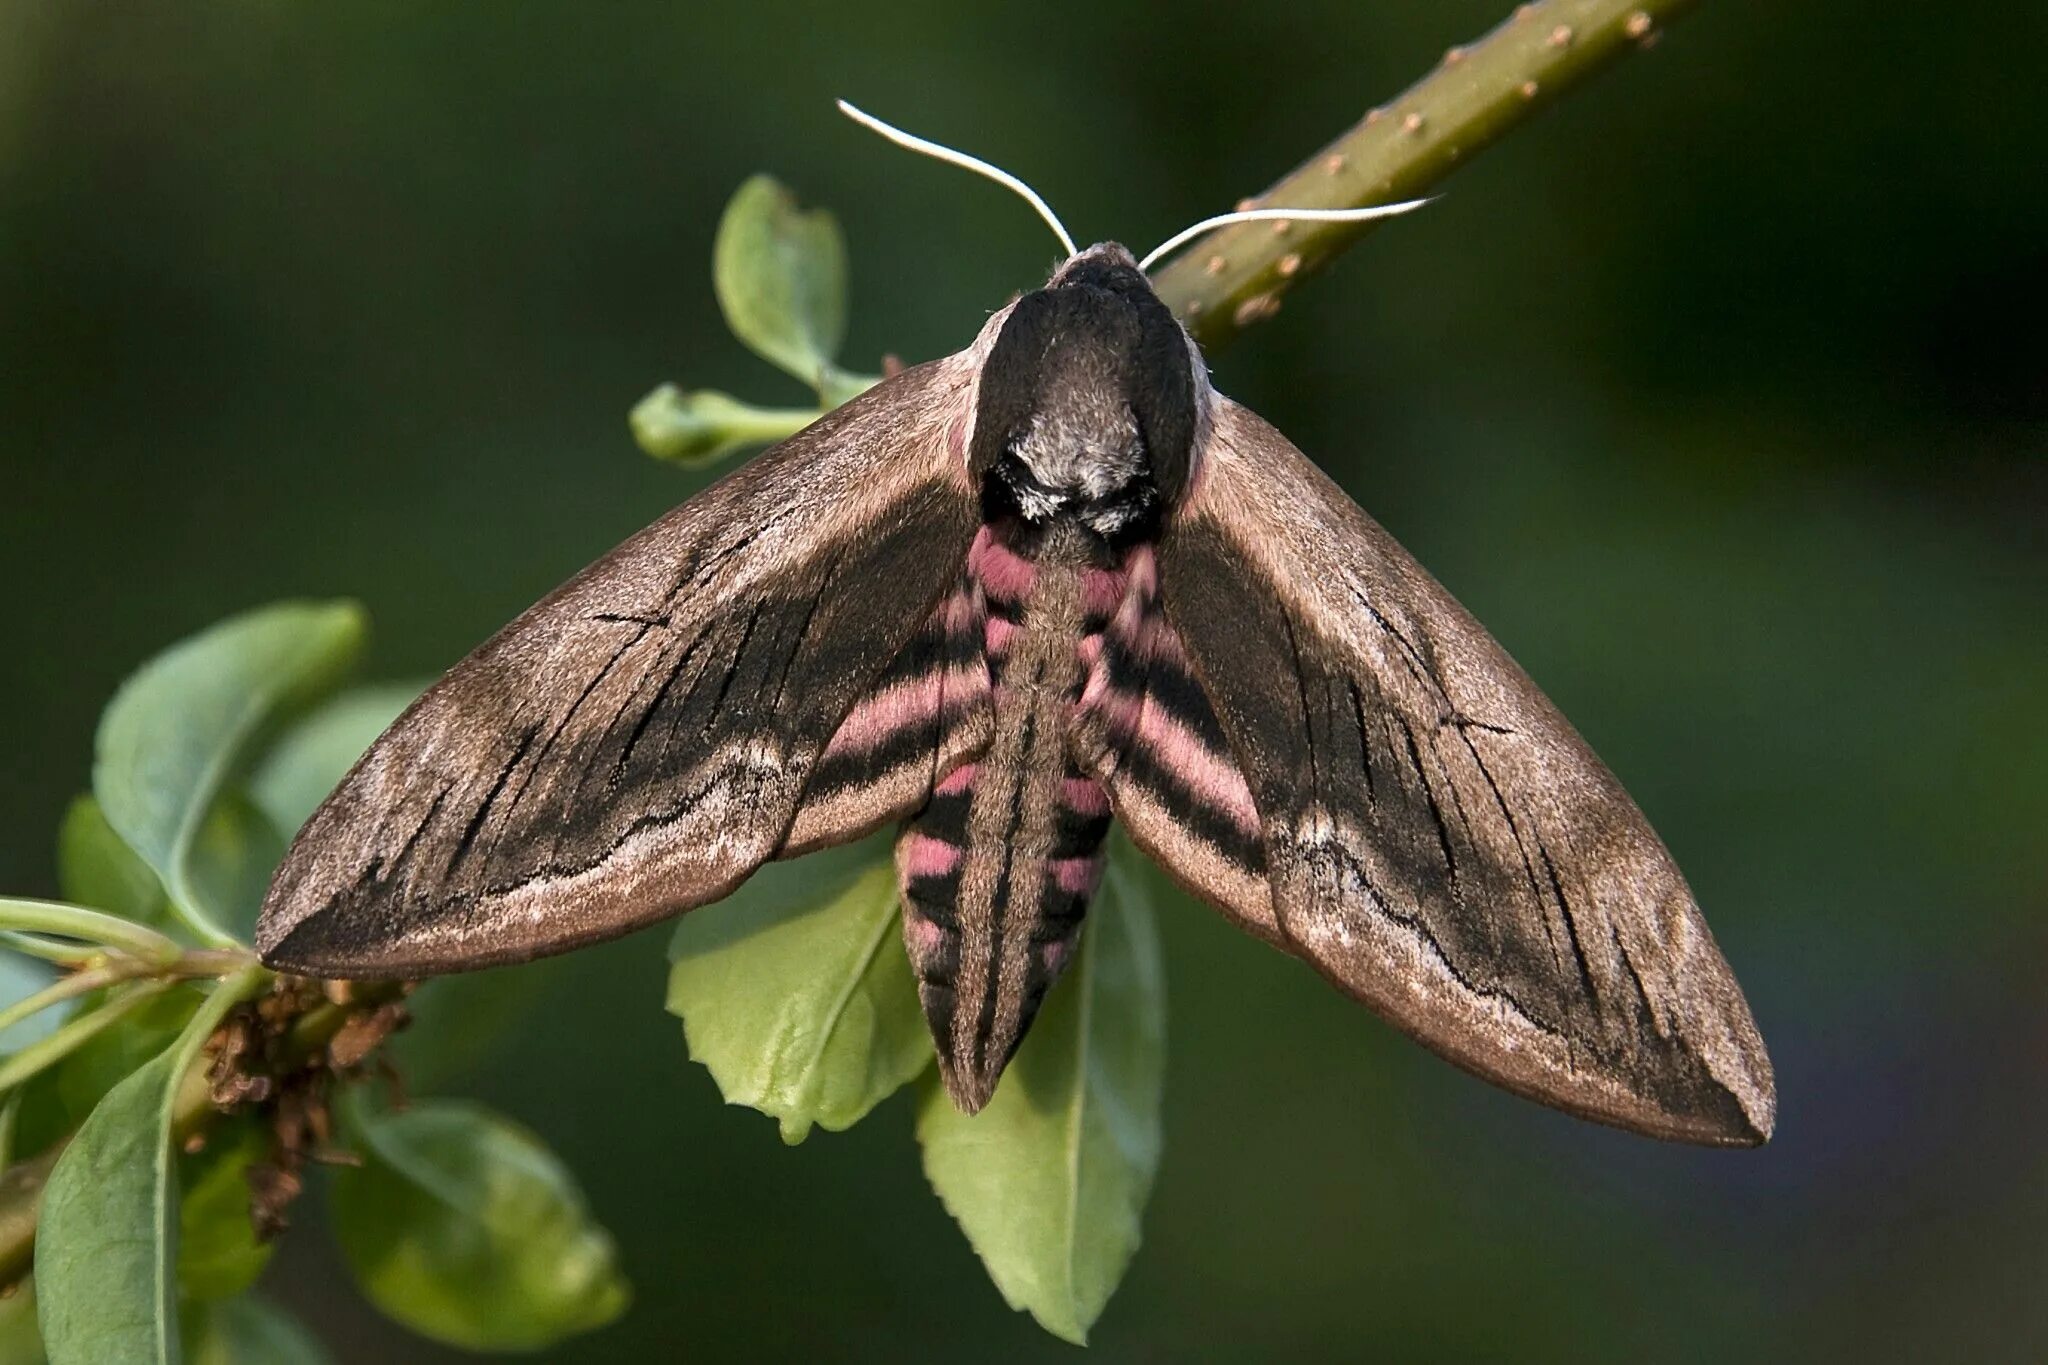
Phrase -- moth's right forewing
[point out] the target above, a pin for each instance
(1441, 843)
(639, 741)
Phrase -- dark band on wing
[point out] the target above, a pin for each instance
(630, 703)
(1160, 741)
(930, 710)
(1413, 842)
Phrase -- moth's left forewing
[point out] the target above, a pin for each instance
(642, 739)
(1441, 843)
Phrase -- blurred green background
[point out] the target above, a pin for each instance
(1720, 394)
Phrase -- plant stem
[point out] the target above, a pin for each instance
(21, 1199)
(62, 989)
(1222, 283)
(92, 926)
(74, 1033)
(108, 971)
(50, 949)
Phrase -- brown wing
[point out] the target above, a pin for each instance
(1440, 843)
(640, 741)
(1147, 732)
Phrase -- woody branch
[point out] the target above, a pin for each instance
(1226, 281)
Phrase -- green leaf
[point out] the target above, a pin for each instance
(780, 276)
(85, 1077)
(295, 774)
(233, 855)
(56, 1101)
(178, 730)
(96, 868)
(20, 1341)
(219, 1255)
(700, 428)
(1049, 1181)
(462, 1226)
(107, 1243)
(796, 992)
(248, 1331)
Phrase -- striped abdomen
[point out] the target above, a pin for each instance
(998, 870)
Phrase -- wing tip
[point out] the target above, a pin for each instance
(1750, 1125)
(277, 925)
(1740, 1068)
(306, 939)
(1721, 1107)
(1756, 1104)
(1720, 1116)
(300, 949)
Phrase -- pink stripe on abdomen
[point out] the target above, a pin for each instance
(924, 856)
(1001, 571)
(996, 635)
(1101, 591)
(1077, 876)
(1084, 796)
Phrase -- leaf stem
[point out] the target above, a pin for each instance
(200, 962)
(65, 1040)
(58, 991)
(1225, 282)
(49, 949)
(766, 426)
(91, 926)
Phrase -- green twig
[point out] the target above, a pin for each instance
(44, 1052)
(50, 949)
(90, 926)
(198, 963)
(58, 991)
(1234, 277)
(21, 1200)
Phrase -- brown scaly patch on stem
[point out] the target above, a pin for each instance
(282, 1041)
(258, 1060)
(276, 1056)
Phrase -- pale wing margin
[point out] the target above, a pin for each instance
(1442, 844)
(638, 742)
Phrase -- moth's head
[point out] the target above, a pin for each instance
(1090, 393)
(1087, 403)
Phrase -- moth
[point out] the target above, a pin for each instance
(1001, 600)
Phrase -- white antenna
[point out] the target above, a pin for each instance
(972, 163)
(1260, 215)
